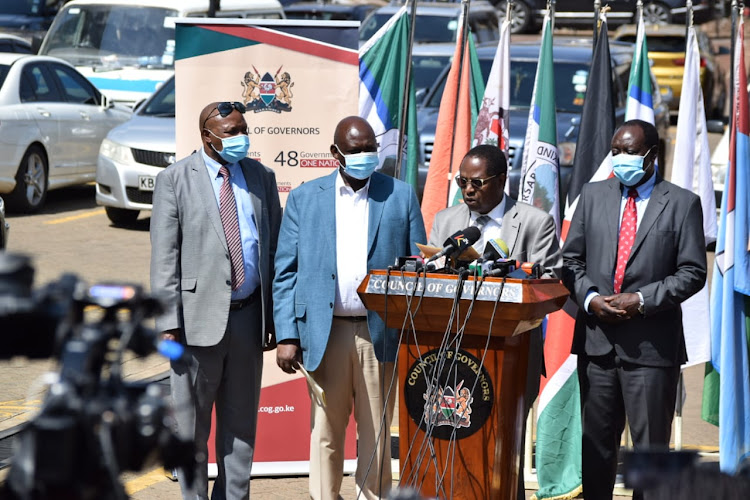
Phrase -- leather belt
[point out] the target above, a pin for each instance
(236, 305)
(353, 319)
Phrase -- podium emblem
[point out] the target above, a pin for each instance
(454, 403)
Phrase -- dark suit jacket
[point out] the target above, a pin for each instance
(667, 265)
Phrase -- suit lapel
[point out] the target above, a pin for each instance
(206, 194)
(254, 187)
(656, 205)
(511, 225)
(375, 209)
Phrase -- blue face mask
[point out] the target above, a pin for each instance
(360, 165)
(629, 168)
(234, 148)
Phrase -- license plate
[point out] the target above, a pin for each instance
(146, 182)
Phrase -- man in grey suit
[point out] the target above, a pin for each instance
(214, 227)
(634, 252)
(335, 230)
(529, 233)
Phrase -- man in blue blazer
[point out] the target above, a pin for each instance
(335, 230)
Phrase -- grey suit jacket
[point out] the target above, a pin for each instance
(667, 265)
(529, 232)
(190, 264)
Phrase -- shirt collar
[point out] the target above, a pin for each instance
(644, 190)
(213, 166)
(495, 214)
(343, 188)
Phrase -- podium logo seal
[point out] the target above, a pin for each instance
(448, 395)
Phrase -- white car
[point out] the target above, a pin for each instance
(133, 154)
(52, 122)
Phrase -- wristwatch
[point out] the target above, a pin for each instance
(640, 306)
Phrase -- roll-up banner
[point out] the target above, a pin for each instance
(297, 79)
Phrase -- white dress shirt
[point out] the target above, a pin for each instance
(352, 221)
(492, 229)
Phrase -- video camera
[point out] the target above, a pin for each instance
(93, 425)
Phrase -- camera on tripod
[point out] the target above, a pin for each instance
(93, 425)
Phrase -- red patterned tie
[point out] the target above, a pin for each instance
(627, 237)
(228, 213)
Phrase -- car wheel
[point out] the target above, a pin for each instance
(521, 17)
(121, 216)
(656, 13)
(31, 181)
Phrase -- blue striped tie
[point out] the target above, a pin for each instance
(228, 213)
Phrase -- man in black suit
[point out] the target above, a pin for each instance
(634, 252)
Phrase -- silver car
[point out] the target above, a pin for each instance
(133, 154)
(52, 122)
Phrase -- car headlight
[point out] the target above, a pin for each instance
(116, 152)
(567, 153)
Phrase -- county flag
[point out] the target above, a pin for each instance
(640, 103)
(558, 442)
(540, 168)
(492, 120)
(382, 77)
(453, 133)
(726, 389)
(691, 169)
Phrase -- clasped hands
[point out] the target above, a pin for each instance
(615, 308)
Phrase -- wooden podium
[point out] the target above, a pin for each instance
(474, 442)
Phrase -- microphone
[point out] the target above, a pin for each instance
(495, 249)
(457, 243)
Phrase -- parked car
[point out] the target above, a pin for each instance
(4, 227)
(52, 122)
(428, 61)
(572, 59)
(14, 44)
(331, 11)
(666, 50)
(27, 18)
(133, 154)
(528, 14)
(438, 22)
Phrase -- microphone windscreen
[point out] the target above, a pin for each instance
(496, 249)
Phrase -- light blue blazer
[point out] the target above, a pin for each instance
(304, 288)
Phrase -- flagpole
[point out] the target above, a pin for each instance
(407, 87)
(551, 9)
(638, 11)
(735, 13)
(462, 41)
(597, 10)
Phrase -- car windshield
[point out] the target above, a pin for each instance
(570, 84)
(429, 29)
(162, 103)
(660, 43)
(427, 69)
(113, 36)
(4, 68)
(27, 7)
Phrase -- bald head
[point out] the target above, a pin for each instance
(206, 113)
(352, 128)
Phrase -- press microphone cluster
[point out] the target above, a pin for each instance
(496, 263)
(456, 244)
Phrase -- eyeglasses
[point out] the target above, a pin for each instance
(477, 183)
(225, 109)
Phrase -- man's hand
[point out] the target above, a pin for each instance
(627, 302)
(288, 355)
(603, 309)
(173, 335)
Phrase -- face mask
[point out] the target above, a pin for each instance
(360, 165)
(629, 168)
(234, 148)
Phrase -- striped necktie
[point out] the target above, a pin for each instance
(228, 213)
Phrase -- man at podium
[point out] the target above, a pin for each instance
(335, 230)
(529, 233)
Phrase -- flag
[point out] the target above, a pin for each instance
(453, 133)
(558, 442)
(540, 169)
(726, 388)
(492, 120)
(691, 169)
(640, 103)
(382, 76)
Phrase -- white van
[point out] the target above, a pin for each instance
(126, 47)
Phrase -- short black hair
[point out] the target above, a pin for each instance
(493, 156)
(650, 133)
